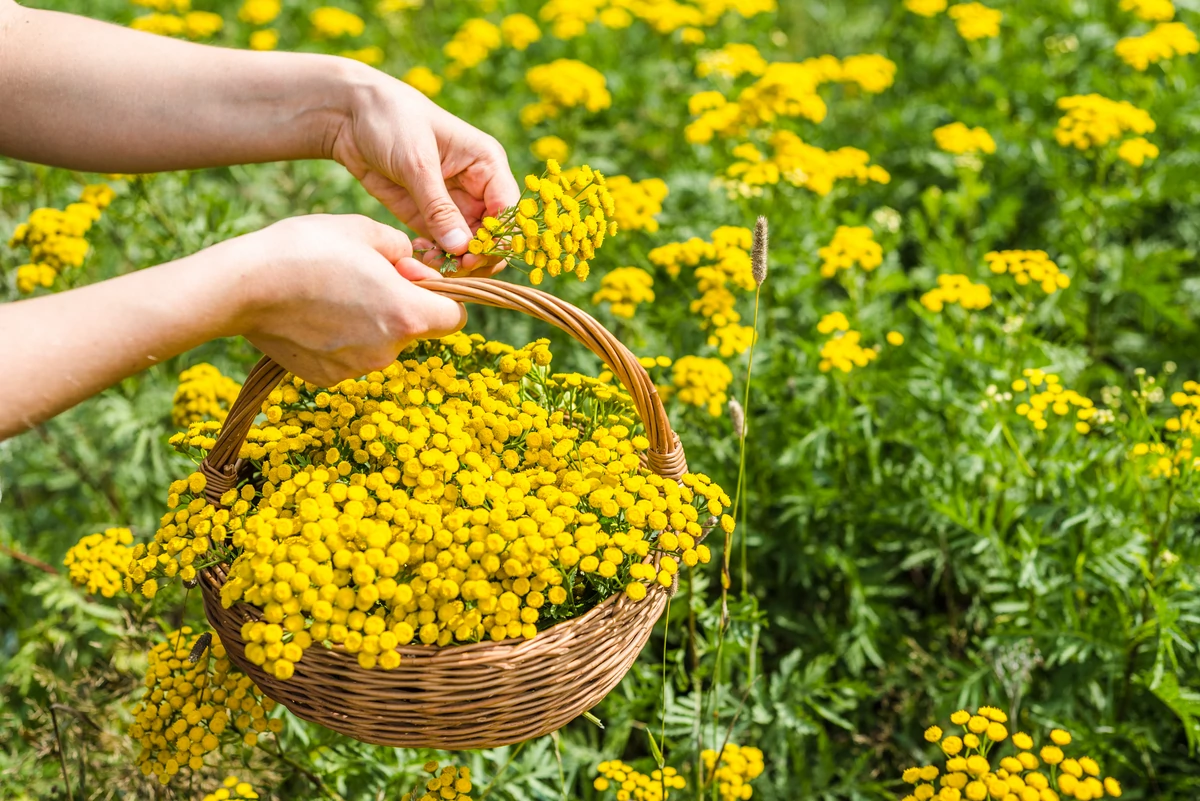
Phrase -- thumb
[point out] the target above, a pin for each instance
(443, 220)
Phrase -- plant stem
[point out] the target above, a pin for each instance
(745, 435)
(29, 560)
(62, 757)
(1012, 443)
(729, 731)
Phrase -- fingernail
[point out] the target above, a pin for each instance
(456, 239)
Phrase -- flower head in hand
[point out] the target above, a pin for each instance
(560, 221)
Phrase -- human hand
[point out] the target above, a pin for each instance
(437, 174)
(331, 297)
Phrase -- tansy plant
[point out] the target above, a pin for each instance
(233, 789)
(727, 777)
(559, 223)
(447, 784)
(976, 771)
(195, 701)
(98, 561)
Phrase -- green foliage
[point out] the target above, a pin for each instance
(913, 544)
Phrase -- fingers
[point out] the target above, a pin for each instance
(481, 265)
(443, 220)
(489, 271)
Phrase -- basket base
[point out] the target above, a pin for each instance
(463, 697)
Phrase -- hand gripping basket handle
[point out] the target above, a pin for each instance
(665, 455)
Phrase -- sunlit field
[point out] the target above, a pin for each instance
(917, 285)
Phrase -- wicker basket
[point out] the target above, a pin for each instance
(468, 696)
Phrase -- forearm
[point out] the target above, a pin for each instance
(87, 95)
(67, 347)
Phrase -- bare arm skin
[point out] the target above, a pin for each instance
(328, 297)
(88, 95)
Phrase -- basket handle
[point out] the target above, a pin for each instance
(665, 455)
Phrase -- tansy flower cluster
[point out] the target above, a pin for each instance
(424, 80)
(471, 44)
(1164, 460)
(1135, 151)
(633, 785)
(668, 16)
(784, 90)
(372, 55)
(1028, 266)
(203, 394)
(957, 138)
(701, 382)
(739, 765)
(98, 561)
(1172, 453)
(975, 772)
(233, 789)
(266, 39)
(719, 266)
(1166, 40)
(850, 246)
(55, 238)
(564, 84)
(954, 288)
(844, 351)
(193, 25)
(834, 321)
(559, 223)
(976, 21)
(259, 12)
(450, 784)
(545, 148)
(464, 493)
(195, 700)
(570, 18)
(519, 31)
(330, 22)
(637, 202)
(1055, 397)
(624, 289)
(1150, 10)
(926, 8)
(800, 164)
(178, 6)
(1092, 121)
(731, 61)
(387, 7)
(871, 72)
(327, 23)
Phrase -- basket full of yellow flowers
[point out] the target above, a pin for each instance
(462, 550)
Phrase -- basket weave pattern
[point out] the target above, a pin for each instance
(480, 695)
